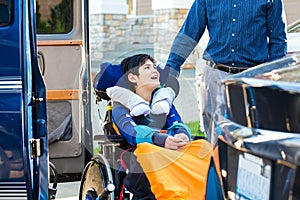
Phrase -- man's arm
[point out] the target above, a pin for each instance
(188, 36)
(276, 30)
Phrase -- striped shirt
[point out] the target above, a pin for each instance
(242, 32)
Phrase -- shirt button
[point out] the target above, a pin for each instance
(232, 50)
(233, 34)
(233, 19)
(234, 5)
(232, 64)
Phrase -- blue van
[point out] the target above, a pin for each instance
(38, 50)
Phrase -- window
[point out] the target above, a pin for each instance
(54, 16)
(5, 12)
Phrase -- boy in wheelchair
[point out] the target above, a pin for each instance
(164, 163)
(143, 125)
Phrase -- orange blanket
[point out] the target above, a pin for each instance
(175, 175)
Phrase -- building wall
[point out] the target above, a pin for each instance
(292, 10)
(144, 7)
(115, 36)
(167, 22)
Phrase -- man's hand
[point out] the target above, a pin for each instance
(174, 143)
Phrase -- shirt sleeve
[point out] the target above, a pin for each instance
(188, 36)
(124, 123)
(174, 118)
(276, 24)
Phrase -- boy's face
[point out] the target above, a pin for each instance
(148, 76)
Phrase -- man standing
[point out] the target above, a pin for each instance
(243, 33)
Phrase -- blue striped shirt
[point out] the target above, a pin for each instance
(242, 32)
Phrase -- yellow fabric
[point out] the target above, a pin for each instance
(175, 175)
(217, 160)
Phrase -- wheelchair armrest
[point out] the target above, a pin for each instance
(110, 138)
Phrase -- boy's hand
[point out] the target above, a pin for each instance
(183, 137)
(174, 143)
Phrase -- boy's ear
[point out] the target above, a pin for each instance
(132, 78)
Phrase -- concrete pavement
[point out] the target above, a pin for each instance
(68, 191)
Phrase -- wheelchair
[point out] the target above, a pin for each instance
(103, 175)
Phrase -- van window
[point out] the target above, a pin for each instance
(54, 16)
(5, 12)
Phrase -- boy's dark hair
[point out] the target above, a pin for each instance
(132, 64)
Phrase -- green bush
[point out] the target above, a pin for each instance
(195, 128)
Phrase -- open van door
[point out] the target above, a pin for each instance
(63, 54)
(23, 143)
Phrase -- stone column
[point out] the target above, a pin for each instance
(169, 17)
(106, 19)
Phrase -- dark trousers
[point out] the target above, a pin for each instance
(136, 181)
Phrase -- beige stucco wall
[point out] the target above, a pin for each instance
(143, 7)
(292, 10)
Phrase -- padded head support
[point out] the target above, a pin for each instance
(111, 75)
(167, 79)
(173, 83)
(108, 76)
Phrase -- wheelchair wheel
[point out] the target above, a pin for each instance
(96, 179)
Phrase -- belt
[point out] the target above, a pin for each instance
(226, 68)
